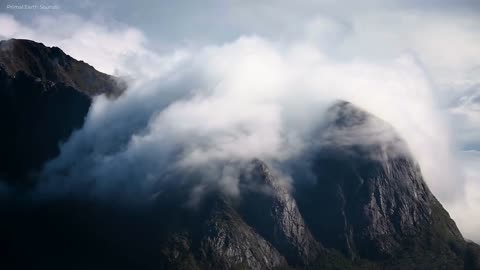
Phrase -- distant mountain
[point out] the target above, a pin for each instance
(357, 200)
(44, 96)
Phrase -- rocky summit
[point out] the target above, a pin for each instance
(354, 199)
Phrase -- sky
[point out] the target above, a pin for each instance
(262, 73)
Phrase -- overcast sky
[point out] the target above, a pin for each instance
(416, 64)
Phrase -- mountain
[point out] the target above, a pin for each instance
(379, 207)
(51, 65)
(356, 198)
(358, 201)
(44, 96)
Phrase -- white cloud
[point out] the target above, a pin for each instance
(251, 98)
(258, 95)
(465, 212)
(111, 48)
(447, 44)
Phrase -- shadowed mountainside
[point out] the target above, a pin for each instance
(369, 200)
(44, 96)
(357, 199)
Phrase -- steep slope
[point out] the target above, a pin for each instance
(44, 96)
(260, 229)
(267, 205)
(366, 197)
(53, 65)
(228, 242)
(213, 235)
(35, 117)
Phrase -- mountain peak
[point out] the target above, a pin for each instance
(345, 114)
(51, 64)
(368, 197)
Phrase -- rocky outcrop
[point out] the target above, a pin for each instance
(52, 65)
(229, 243)
(215, 236)
(267, 205)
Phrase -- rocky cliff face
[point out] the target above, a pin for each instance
(229, 242)
(44, 96)
(267, 205)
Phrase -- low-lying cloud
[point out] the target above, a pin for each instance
(250, 98)
(256, 97)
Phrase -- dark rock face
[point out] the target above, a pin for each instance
(268, 206)
(213, 236)
(368, 199)
(472, 256)
(36, 117)
(228, 242)
(44, 96)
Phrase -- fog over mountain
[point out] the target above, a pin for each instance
(212, 88)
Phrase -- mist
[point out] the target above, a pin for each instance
(202, 105)
(250, 98)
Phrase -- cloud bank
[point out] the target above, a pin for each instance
(260, 96)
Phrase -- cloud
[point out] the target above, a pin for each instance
(112, 48)
(465, 212)
(249, 98)
(259, 92)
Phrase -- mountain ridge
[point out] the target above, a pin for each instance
(51, 64)
(357, 199)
